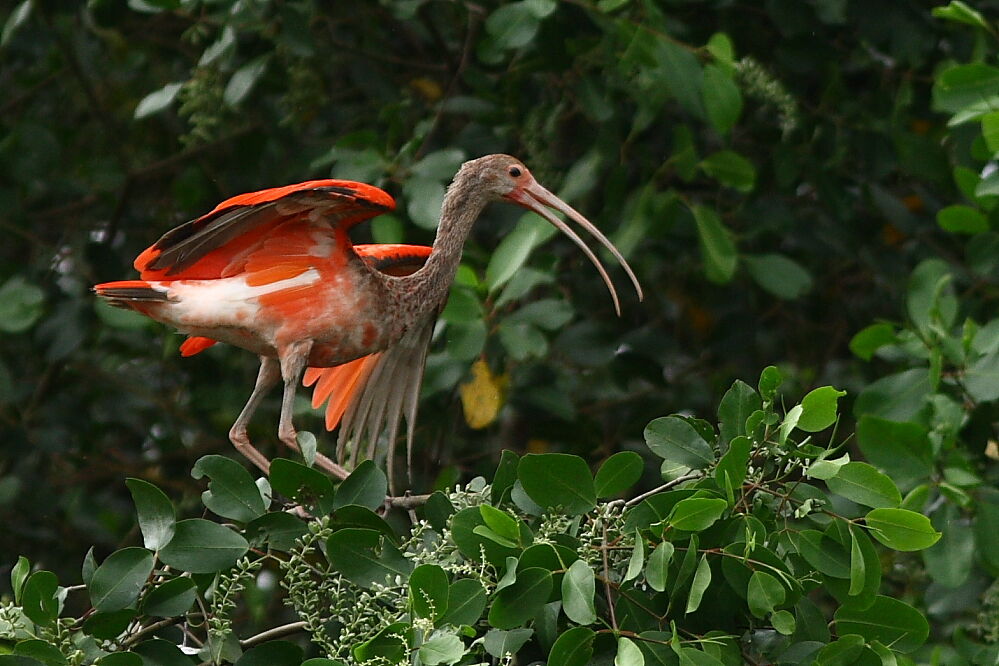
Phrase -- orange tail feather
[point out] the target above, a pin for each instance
(339, 385)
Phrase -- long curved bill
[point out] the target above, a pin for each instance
(538, 199)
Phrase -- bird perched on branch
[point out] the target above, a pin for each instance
(274, 272)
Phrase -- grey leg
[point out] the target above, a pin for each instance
(267, 377)
(292, 366)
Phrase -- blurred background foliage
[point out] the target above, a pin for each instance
(774, 171)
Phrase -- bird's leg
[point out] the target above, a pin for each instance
(267, 377)
(293, 360)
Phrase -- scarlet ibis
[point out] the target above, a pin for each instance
(274, 272)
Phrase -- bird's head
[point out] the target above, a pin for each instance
(505, 178)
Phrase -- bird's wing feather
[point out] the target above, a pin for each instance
(370, 394)
(390, 391)
(206, 247)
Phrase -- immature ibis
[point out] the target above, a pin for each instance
(274, 272)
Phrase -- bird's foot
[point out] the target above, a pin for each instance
(241, 441)
(290, 439)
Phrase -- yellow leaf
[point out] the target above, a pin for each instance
(482, 396)
(538, 446)
(429, 89)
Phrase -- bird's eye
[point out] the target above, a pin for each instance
(515, 172)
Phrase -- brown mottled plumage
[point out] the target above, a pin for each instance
(275, 272)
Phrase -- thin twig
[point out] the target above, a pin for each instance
(607, 585)
(666, 486)
(152, 628)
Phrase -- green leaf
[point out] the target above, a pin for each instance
(780, 275)
(465, 603)
(170, 599)
(720, 47)
(960, 12)
(963, 86)
(366, 486)
(514, 25)
(302, 484)
(702, 579)
(21, 305)
(39, 598)
(365, 557)
(697, 513)
(231, 492)
(949, 560)
(428, 591)
(841, 652)
(680, 71)
(770, 380)
(628, 653)
(861, 483)
(108, 626)
(119, 579)
(637, 559)
(157, 517)
(514, 249)
(573, 648)
(500, 643)
(558, 480)
(18, 574)
(732, 468)
(735, 407)
(901, 449)
(442, 648)
(730, 168)
(243, 80)
(201, 546)
(308, 446)
(818, 409)
(901, 529)
(34, 652)
(519, 603)
(897, 397)
(717, 247)
(784, 622)
(930, 300)
(157, 101)
(18, 17)
(674, 439)
(722, 99)
(981, 378)
(872, 338)
(424, 197)
(161, 653)
(578, 589)
(858, 567)
(549, 314)
(473, 544)
(764, 594)
(961, 219)
(504, 477)
(502, 523)
(888, 621)
(657, 569)
(438, 509)
(824, 553)
(618, 473)
(272, 653)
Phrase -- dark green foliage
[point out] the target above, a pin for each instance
(491, 578)
(808, 184)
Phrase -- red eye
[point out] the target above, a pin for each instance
(515, 172)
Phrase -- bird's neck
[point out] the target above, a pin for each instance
(430, 285)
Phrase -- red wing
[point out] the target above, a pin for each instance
(397, 260)
(209, 246)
